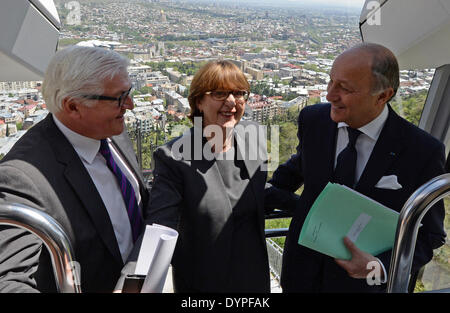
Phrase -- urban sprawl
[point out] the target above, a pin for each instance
(286, 54)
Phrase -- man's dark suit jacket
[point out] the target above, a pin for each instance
(402, 149)
(188, 194)
(43, 170)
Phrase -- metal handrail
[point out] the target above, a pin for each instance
(54, 238)
(276, 232)
(410, 217)
(276, 213)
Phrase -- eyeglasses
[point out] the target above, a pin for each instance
(221, 95)
(121, 99)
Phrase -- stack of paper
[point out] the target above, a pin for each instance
(155, 255)
(340, 211)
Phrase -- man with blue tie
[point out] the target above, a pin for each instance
(77, 165)
(357, 140)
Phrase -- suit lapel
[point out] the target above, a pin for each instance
(323, 143)
(387, 148)
(124, 146)
(83, 186)
(258, 149)
(329, 150)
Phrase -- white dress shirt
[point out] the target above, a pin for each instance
(364, 146)
(365, 142)
(106, 184)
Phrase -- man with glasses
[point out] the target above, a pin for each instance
(120, 100)
(77, 165)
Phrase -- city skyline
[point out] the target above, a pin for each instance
(349, 3)
(285, 52)
(354, 4)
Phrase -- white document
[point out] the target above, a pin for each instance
(155, 255)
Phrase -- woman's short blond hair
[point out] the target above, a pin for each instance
(215, 75)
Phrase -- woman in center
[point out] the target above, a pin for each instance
(209, 183)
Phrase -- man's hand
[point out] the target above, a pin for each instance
(356, 267)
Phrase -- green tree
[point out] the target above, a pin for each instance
(146, 90)
(410, 106)
(288, 140)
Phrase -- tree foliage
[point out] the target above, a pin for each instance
(410, 106)
(262, 88)
(188, 68)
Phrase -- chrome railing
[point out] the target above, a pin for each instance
(276, 232)
(275, 255)
(410, 217)
(275, 252)
(54, 238)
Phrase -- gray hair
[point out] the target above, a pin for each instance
(385, 67)
(76, 71)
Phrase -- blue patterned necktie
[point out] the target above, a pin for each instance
(345, 170)
(126, 189)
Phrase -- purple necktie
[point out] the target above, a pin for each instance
(126, 189)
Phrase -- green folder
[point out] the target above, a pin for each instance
(340, 211)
